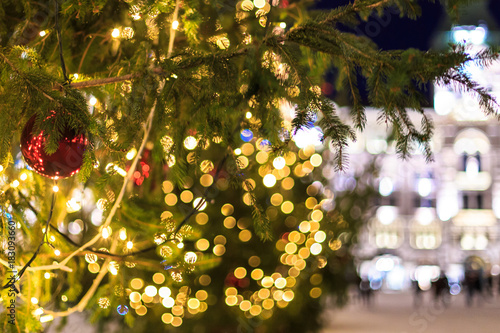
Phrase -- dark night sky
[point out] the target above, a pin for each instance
(392, 32)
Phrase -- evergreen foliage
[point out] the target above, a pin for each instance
(154, 86)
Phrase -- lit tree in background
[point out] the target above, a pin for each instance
(193, 125)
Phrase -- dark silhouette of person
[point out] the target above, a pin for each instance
(441, 289)
(417, 294)
(365, 291)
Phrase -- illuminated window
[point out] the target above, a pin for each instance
(386, 230)
(425, 230)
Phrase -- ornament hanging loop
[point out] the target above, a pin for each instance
(67, 81)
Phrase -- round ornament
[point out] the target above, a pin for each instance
(65, 162)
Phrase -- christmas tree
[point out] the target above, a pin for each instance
(195, 130)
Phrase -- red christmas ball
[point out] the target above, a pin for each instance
(65, 162)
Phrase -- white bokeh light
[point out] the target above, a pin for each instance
(386, 186)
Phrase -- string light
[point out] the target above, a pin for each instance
(123, 234)
(131, 154)
(106, 232)
(38, 312)
(175, 25)
(55, 188)
(23, 176)
(130, 245)
(115, 33)
(92, 101)
(15, 183)
(46, 318)
(57, 253)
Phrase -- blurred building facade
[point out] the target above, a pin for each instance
(437, 216)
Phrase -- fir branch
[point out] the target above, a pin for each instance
(462, 82)
(147, 128)
(91, 291)
(44, 241)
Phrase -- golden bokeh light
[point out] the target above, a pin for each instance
(245, 235)
(288, 295)
(219, 250)
(242, 162)
(245, 305)
(247, 199)
(287, 183)
(94, 268)
(316, 160)
(231, 300)
(134, 297)
(201, 295)
(205, 280)
(186, 196)
(141, 310)
(257, 274)
(304, 226)
(193, 303)
(317, 215)
(171, 199)
(268, 303)
(231, 291)
(176, 321)
(290, 248)
(247, 149)
(261, 157)
(267, 282)
(290, 158)
(255, 310)
(311, 202)
(304, 253)
(240, 272)
(280, 283)
(206, 166)
(220, 239)
(206, 180)
(229, 222)
(276, 199)
(167, 318)
(264, 293)
(137, 283)
(248, 184)
(201, 218)
(315, 292)
(254, 261)
(227, 209)
(167, 186)
(287, 207)
(158, 278)
(335, 244)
